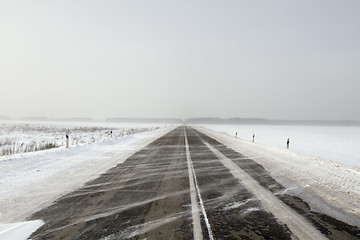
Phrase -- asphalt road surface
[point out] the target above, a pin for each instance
(186, 185)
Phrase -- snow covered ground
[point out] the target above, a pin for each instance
(335, 143)
(22, 136)
(32, 181)
(329, 187)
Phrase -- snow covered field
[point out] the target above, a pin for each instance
(335, 143)
(33, 180)
(21, 137)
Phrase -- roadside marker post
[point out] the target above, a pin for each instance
(288, 143)
(254, 137)
(67, 141)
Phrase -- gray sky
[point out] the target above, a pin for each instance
(271, 59)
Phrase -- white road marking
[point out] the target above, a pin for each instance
(194, 189)
(194, 204)
(298, 225)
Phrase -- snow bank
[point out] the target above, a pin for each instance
(19, 230)
(328, 187)
(31, 181)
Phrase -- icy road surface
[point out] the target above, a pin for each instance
(189, 185)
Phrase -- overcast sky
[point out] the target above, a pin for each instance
(270, 59)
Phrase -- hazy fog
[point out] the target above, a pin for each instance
(271, 59)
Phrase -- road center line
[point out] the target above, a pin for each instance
(194, 189)
(298, 225)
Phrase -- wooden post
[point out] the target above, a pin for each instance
(67, 141)
(288, 143)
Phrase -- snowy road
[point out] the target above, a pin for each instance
(186, 185)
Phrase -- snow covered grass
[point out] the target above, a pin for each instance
(335, 143)
(21, 137)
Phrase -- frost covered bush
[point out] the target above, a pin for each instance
(13, 147)
(23, 138)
